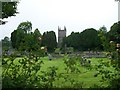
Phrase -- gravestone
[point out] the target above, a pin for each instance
(50, 57)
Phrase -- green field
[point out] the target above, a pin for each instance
(85, 77)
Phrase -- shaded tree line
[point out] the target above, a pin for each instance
(89, 39)
(92, 39)
(23, 39)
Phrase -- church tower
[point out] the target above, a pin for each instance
(61, 35)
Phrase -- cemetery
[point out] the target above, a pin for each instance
(68, 68)
(80, 71)
(88, 59)
(58, 65)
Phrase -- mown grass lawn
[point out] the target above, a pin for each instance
(85, 77)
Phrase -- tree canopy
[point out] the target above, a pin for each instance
(49, 40)
(22, 36)
(102, 33)
(87, 39)
(25, 26)
(6, 43)
(114, 33)
(9, 9)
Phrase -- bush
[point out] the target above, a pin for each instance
(21, 75)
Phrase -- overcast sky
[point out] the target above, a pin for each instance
(76, 15)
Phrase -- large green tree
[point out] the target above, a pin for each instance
(72, 40)
(37, 39)
(49, 40)
(114, 33)
(18, 36)
(89, 39)
(102, 33)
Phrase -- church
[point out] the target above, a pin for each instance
(61, 35)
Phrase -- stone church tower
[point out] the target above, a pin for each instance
(61, 35)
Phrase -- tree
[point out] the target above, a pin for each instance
(114, 33)
(8, 9)
(6, 43)
(102, 33)
(72, 40)
(18, 36)
(37, 39)
(26, 26)
(14, 39)
(89, 39)
(49, 40)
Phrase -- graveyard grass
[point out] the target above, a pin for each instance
(86, 76)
